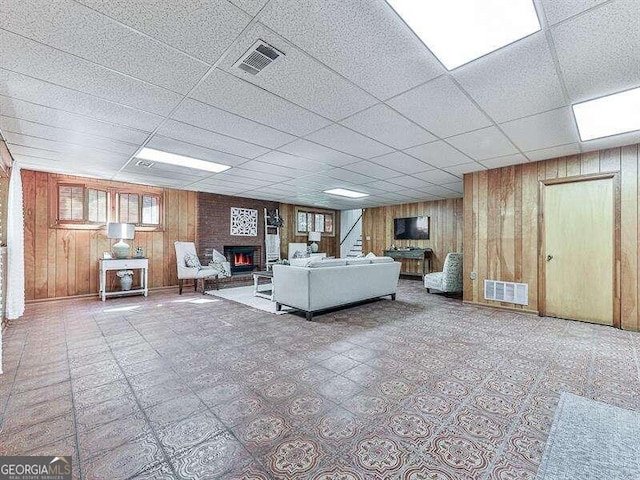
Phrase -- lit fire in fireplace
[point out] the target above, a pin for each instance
(242, 259)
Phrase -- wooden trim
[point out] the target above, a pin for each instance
(615, 177)
(502, 307)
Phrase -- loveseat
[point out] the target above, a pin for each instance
(330, 283)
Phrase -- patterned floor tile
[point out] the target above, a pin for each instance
(339, 389)
(188, 432)
(294, 457)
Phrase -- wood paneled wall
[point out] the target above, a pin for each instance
(64, 262)
(329, 245)
(446, 229)
(501, 223)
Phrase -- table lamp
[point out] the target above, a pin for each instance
(123, 231)
(314, 237)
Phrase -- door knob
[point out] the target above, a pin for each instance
(549, 258)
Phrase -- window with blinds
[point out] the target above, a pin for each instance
(96, 206)
(71, 203)
(139, 209)
(150, 210)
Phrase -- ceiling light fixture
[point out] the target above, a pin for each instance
(180, 160)
(610, 115)
(346, 193)
(461, 31)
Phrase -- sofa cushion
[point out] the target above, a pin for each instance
(322, 263)
(358, 261)
(191, 261)
(216, 256)
(382, 260)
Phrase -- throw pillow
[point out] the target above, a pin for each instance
(370, 255)
(300, 254)
(219, 268)
(217, 256)
(192, 261)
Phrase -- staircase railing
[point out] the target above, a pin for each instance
(352, 236)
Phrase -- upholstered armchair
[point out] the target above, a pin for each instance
(450, 279)
(189, 267)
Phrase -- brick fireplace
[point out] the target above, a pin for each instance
(242, 258)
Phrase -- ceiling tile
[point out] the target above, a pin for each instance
(293, 161)
(409, 181)
(440, 107)
(553, 152)
(598, 51)
(438, 191)
(373, 170)
(65, 156)
(514, 82)
(76, 29)
(181, 148)
(93, 170)
(290, 76)
(401, 162)
(455, 186)
(387, 126)
(30, 129)
(349, 176)
(204, 138)
(105, 146)
(504, 161)
(39, 61)
(36, 91)
(261, 167)
(66, 152)
(385, 186)
(238, 96)
(250, 6)
(459, 170)
(438, 154)
(437, 177)
(416, 195)
(348, 141)
(364, 41)
(320, 153)
(558, 11)
(60, 119)
(544, 130)
(485, 143)
(611, 142)
(201, 29)
(225, 123)
(248, 173)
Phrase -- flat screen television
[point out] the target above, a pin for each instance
(411, 228)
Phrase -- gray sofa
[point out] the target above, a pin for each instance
(324, 284)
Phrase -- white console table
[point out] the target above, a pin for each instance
(141, 264)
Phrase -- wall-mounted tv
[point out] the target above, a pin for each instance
(411, 228)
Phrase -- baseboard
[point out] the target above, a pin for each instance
(502, 307)
(90, 295)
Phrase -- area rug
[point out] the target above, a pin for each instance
(244, 295)
(590, 440)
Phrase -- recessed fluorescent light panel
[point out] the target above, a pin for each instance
(462, 30)
(611, 115)
(180, 160)
(346, 193)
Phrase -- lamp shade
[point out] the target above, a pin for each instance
(121, 230)
(315, 236)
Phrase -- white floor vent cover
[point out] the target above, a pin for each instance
(508, 292)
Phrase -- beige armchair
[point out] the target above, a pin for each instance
(450, 279)
(186, 251)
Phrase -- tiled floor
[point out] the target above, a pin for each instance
(199, 387)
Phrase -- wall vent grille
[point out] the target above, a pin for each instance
(257, 58)
(507, 292)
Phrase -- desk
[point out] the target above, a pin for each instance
(419, 254)
(141, 264)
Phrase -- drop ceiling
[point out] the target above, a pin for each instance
(356, 102)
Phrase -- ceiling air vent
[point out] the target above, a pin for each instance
(257, 58)
(144, 164)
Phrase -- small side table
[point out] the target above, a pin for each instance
(267, 288)
(141, 264)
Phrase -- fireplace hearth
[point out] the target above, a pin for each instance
(242, 259)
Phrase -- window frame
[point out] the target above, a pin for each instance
(311, 216)
(112, 207)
